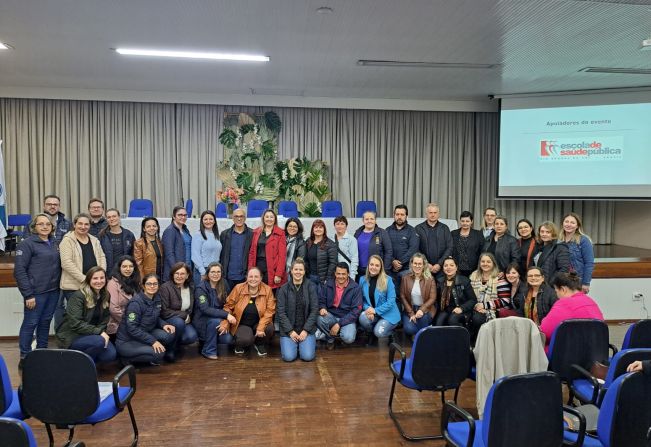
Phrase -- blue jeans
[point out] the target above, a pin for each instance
(38, 319)
(347, 333)
(289, 349)
(212, 337)
(379, 326)
(410, 327)
(60, 310)
(185, 333)
(93, 345)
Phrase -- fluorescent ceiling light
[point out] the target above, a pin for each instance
(381, 63)
(192, 55)
(4, 46)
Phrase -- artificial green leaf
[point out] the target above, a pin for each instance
(228, 138)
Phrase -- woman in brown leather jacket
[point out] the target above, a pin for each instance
(148, 250)
(418, 296)
(253, 305)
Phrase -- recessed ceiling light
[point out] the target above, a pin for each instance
(5, 46)
(324, 10)
(408, 64)
(192, 55)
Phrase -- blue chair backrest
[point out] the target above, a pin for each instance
(141, 208)
(524, 410)
(638, 335)
(288, 208)
(189, 206)
(621, 360)
(364, 206)
(256, 208)
(6, 393)
(18, 220)
(440, 356)
(221, 211)
(579, 341)
(331, 208)
(16, 433)
(625, 414)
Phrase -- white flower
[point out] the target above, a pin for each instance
(259, 188)
(284, 174)
(318, 206)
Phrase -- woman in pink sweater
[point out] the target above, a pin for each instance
(572, 303)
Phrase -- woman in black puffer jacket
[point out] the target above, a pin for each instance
(321, 254)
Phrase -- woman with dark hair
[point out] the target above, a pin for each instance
(508, 289)
(177, 241)
(467, 244)
(87, 314)
(116, 241)
(346, 246)
(536, 300)
(418, 295)
(502, 245)
(176, 296)
(143, 335)
(296, 312)
(148, 250)
(37, 271)
(268, 251)
(210, 297)
(253, 305)
(528, 244)
(294, 240)
(456, 298)
(321, 254)
(572, 303)
(553, 257)
(123, 285)
(580, 248)
(372, 240)
(206, 247)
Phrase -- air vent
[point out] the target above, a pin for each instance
(616, 70)
(460, 65)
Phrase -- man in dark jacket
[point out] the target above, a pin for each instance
(236, 242)
(404, 242)
(435, 240)
(96, 212)
(340, 303)
(51, 207)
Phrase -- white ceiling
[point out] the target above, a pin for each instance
(540, 46)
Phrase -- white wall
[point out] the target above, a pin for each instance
(614, 297)
(632, 220)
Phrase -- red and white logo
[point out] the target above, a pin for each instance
(547, 148)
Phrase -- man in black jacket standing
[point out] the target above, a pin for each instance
(435, 240)
(404, 242)
(236, 242)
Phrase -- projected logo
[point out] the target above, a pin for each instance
(593, 149)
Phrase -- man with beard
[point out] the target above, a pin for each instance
(404, 241)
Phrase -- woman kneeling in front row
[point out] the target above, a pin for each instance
(380, 312)
(418, 296)
(297, 311)
(143, 336)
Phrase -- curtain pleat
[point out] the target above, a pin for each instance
(168, 152)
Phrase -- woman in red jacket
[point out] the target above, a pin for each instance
(269, 250)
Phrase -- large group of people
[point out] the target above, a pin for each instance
(112, 295)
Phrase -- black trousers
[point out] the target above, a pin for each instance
(245, 336)
(136, 351)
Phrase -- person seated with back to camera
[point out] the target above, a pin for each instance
(380, 313)
(340, 304)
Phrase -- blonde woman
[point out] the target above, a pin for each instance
(87, 315)
(418, 295)
(380, 313)
(580, 248)
(485, 282)
(554, 256)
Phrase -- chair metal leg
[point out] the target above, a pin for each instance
(456, 393)
(134, 425)
(49, 434)
(397, 424)
(71, 435)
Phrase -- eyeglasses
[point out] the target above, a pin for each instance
(181, 215)
(535, 275)
(51, 204)
(151, 284)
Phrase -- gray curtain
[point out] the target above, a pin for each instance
(168, 152)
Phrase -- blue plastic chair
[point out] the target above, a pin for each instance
(73, 397)
(189, 207)
(439, 361)
(288, 208)
(19, 223)
(364, 206)
(141, 208)
(16, 433)
(589, 390)
(9, 402)
(331, 208)
(256, 208)
(221, 210)
(625, 414)
(521, 410)
(638, 335)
